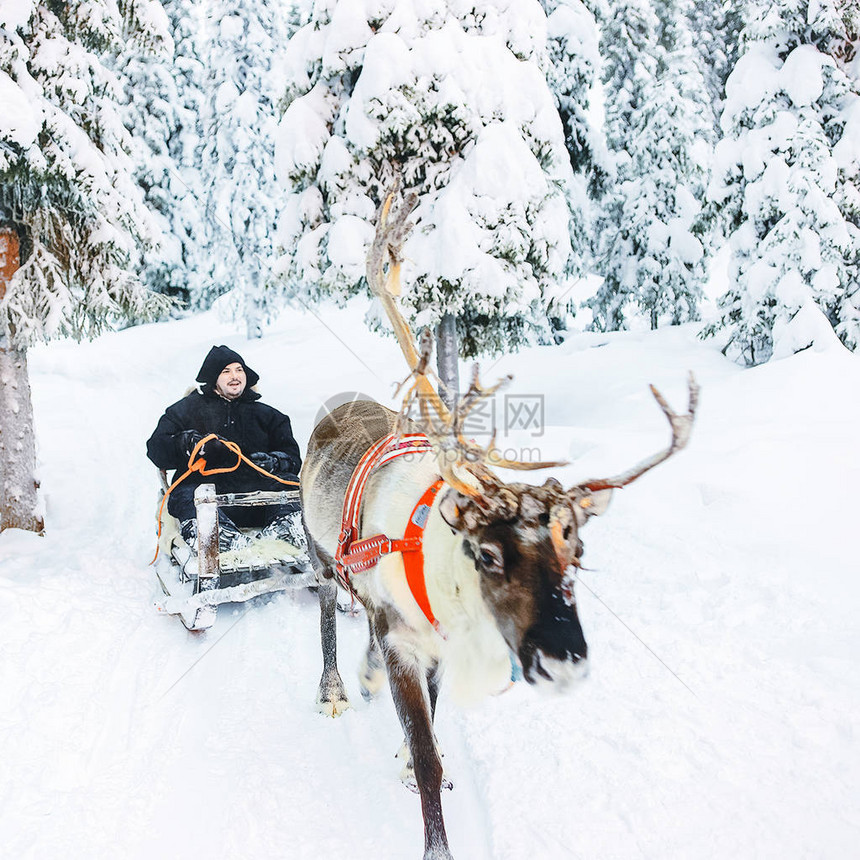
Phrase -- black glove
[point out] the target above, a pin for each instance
(217, 455)
(275, 463)
(186, 442)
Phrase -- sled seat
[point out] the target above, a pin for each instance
(195, 580)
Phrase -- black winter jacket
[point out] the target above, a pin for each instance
(254, 426)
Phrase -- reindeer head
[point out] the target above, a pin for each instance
(524, 542)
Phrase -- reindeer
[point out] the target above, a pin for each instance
(498, 558)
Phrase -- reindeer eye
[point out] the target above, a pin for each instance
(543, 518)
(566, 533)
(490, 558)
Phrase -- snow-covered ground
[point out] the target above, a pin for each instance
(721, 606)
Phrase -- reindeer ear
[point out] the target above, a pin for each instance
(453, 506)
(590, 504)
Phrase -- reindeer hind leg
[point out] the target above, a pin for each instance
(371, 674)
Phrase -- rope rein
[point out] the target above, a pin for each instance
(198, 464)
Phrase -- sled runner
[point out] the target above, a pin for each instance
(195, 580)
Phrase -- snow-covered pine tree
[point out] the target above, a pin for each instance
(572, 73)
(715, 26)
(627, 46)
(650, 244)
(66, 189)
(844, 129)
(786, 179)
(163, 107)
(243, 200)
(453, 98)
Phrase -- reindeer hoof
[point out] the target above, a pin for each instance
(333, 708)
(407, 773)
(407, 777)
(332, 699)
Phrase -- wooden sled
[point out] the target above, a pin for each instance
(194, 581)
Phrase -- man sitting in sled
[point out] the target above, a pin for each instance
(225, 403)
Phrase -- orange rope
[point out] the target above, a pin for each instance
(198, 464)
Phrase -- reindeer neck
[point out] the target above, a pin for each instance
(476, 658)
(453, 583)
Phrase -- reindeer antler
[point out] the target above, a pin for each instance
(681, 426)
(392, 229)
(445, 427)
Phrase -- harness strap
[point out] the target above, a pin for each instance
(381, 452)
(354, 556)
(413, 557)
(365, 553)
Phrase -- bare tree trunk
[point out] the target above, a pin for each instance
(18, 500)
(446, 359)
(18, 497)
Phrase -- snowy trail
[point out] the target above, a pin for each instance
(720, 608)
(138, 739)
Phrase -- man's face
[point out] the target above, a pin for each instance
(232, 381)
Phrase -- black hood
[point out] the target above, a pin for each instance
(217, 359)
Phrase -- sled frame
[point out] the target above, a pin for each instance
(198, 610)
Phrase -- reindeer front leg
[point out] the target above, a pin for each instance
(331, 697)
(407, 775)
(408, 684)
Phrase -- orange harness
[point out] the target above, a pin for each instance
(198, 464)
(353, 556)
